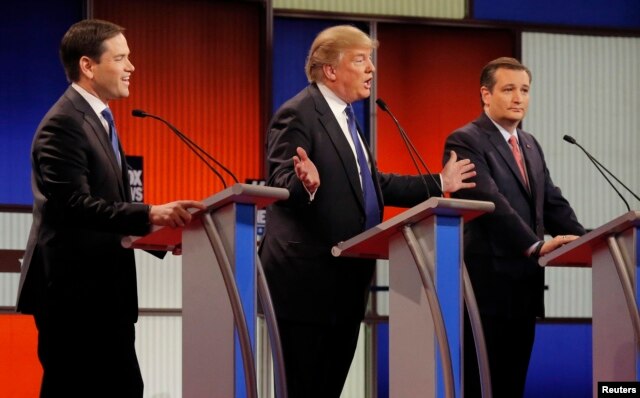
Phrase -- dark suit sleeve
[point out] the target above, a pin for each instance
(504, 223)
(559, 217)
(407, 191)
(287, 132)
(65, 163)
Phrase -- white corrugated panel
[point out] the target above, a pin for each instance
(454, 9)
(587, 87)
(14, 231)
(159, 280)
(159, 350)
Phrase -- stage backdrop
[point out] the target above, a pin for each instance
(198, 65)
(430, 79)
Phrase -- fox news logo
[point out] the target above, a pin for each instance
(618, 389)
(135, 178)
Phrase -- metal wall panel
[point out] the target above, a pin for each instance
(14, 231)
(159, 350)
(587, 87)
(454, 9)
(159, 280)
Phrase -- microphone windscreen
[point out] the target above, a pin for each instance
(569, 139)
(382, 105)
(138, 113)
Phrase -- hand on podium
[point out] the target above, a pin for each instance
(173, 214)
(556, 242)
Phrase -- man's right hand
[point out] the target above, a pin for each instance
(174, 214)
(306, 171)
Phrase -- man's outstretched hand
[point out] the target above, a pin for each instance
(456, 172)
(306, 171)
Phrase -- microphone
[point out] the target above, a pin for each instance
(600, 167)
(195, 148)
(411, 149)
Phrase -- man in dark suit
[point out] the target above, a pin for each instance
(77, 280)
(501, 248)
(320, 300)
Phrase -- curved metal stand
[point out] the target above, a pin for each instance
(478, 333)
(627, 286)
(239, 318)
(434, 306)
(274, 333)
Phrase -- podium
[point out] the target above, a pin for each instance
(424, 248)
(221, 278)
(612, 253)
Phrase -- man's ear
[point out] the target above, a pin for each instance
(86, 66)
(485, 94)
(329, 72)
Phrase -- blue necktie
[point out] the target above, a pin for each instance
(372, 211)
(113, 134)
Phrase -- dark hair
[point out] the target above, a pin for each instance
(488, 75)
(85, 38)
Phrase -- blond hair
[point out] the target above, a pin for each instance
(329, 46)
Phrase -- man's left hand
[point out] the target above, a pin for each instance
(456, 172)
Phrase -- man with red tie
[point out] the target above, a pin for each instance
(501, 248)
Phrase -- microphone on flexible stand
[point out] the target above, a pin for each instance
(411, 149)
(600, 167)
(195, 148)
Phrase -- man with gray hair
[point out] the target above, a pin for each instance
(316, 151)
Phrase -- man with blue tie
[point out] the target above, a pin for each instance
(316, 151)
(77, 280)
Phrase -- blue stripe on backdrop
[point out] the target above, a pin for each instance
(32, 80)
(292, 38)
(561, 361)
(592, 13)
(560, 365)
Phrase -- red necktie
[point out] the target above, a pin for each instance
(513, 141)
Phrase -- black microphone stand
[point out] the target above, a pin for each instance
(195, 148)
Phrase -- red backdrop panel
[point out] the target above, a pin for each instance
(20, 371)
(197, 65)
(429, 77)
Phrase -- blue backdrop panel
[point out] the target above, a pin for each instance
(560, 364)
(594, 13)
(561, 361)
(292, 39)
(32, 80)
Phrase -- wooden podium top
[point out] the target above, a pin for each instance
(373, 243)
(579, 252)
(166, 238)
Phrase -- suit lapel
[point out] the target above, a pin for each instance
(498, 141)
(100, 134)
(340, 143)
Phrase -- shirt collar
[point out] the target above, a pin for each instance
(94, 102)
(335, 103)
(505, 134)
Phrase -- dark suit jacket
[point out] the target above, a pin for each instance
(506, 282)
(74, 262)
(306, 282)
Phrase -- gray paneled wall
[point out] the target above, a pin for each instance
(587, 87)
(454, 9)
(14, 231)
